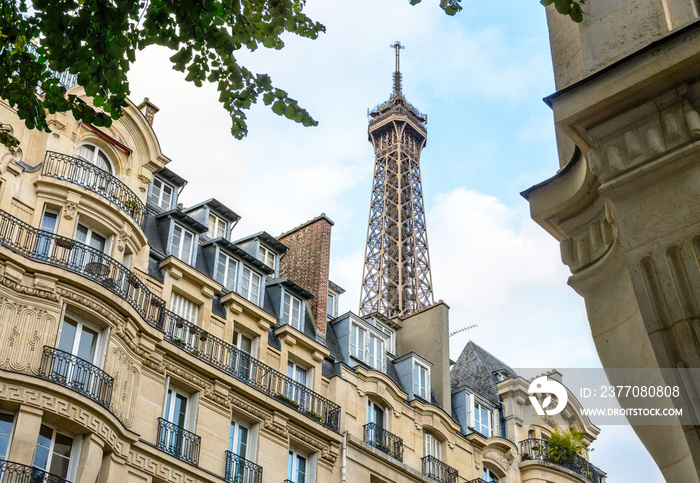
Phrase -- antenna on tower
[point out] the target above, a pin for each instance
(397, 73)
(464, 329)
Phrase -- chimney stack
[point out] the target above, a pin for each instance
(148, 109)
(307, 263)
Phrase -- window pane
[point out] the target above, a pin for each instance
(68, 331)
(41, 454)
(166, 197)
(48, 221)
(87, 344)
(5, 433)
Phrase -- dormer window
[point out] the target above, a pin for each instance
(250, 285)
(291, 311)
(482, 419)
(182, 244)
(226, 271)
(421, 380)
(217, 227)
(94, 155)
(366, 346)
(267, 257)
(161, 194)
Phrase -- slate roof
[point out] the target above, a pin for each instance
(475, 369)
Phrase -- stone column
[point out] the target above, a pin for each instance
(26, 435)
(113, 469)
(90, 459)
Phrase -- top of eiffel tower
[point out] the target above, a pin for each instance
(397, 103)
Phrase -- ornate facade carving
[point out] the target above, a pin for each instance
(125, 371)
(70, 210)
(326, 451)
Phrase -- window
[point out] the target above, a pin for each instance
(78, 338)
(250, 285)
(238, 445)
(291, 311)
(296, 390)
(176, 408)
(182, 244)
(332, 306)
(217, 227)
(53, 452)
(94, 155)
(90, 237)
(482, 419)
(226, 271)
(267, 257)
(490, 476)
(375, 414)
(421, 381)
(44, 242)
(357, 342)
(431, 446)
(296, 467)
(161, 194)
(6, 422)
(375, 352)
(241, 361)
(186, 310)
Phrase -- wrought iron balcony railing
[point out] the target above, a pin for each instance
(384, 441)
(46, 247)
(178, 442)
(76, 171)
(243, 366)
(436, 470)
(240, 470)
(477, 480)
(77, 374)
(91, 263)
(16, 473)
(543, 450)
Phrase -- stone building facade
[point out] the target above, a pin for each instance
(624, 203)
(143, 341)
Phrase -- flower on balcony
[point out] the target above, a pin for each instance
(193, 329)
(67, 244)
(179, 322)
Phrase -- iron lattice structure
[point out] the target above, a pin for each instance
(396, 279)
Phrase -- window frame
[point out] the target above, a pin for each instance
(193, 245)
(72, 459)
(288, 315)
(94, 157)
(248, 289)
(264, 253)
(157, 200)
(228, 259)
(477, 423)
(292, 468)
(10, 434)
(218, 223)
(101, 340)
(417, 367)
(432, 446)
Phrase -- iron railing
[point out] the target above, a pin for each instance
(91, 263)
(46, 247)
(77, 374)
(81, 173)
(384, 441)
(65, 78)
(543, 450)
(178, 442)
(16, 473)
(436, 470)
(243, 366)
(240, 470)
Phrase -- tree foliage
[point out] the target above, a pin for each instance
(97, 40)
(572, 8)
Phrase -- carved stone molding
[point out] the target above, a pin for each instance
(70, 210)
(326, 451)
(32, 291)
(65, 408)
(159, 468)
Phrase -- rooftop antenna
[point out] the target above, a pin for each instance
(464, 329)
(397, 73)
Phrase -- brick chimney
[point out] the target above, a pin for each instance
(307, 263)
(148, 109)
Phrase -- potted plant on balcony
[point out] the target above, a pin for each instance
(63, 243)
(203, 336)
(179, 342)
(179, 322)
(288, 401)
(132, 207)
(132, 280)
(565, 446)
(313, 414)
(193, 329)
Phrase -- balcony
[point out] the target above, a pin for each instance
(78, 172)
(436, 470)
(77, 374)
(477, 480)
(543, 450)
(233, 361)
(17, 473)
(384, 441)
(178, 442)
(240, 470)
(62, 252)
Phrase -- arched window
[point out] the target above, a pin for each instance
(94, 155)
(490, 476)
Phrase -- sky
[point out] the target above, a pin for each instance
(480, 76)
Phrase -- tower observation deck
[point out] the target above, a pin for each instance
(396, 274)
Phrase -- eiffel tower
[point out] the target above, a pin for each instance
(396, 279)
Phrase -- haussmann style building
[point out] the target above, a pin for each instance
(146, 342)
